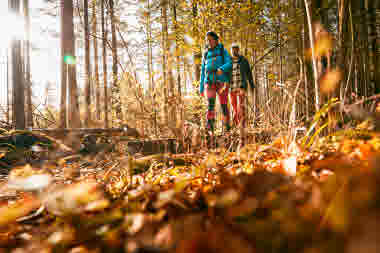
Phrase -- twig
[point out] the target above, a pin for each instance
(110, 169)
(270, 51)
(293, 112)
(348, 107)
(33, 215)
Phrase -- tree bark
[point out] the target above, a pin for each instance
(69, 41)
(198, 54)
(361, 45)
(87, 91)
(149, 42)
(96, 60)
(104, 40)
(343, 25)
(8, 90)
(63, 105)
(28, 83)
(373, 7)
(364, 41)
(17, 75)
(116, 92)
(315, 71)
(178, 61)
(164, 23)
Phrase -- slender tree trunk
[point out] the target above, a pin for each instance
(164, 23)
(116, 92)
(307, 85)
(63, 106)
(28, 83)
(300, 53)
(150, 62)
(198, 54)
(17, 75)
(87, 90)
(343, 25)
(364, 41)
(104, 40)
(149, 42)
(96, 60)
(178, 62)
(69, 38)
(317, 19)
(361, 45)
(185, 75)
(8, 90)
(315, 71)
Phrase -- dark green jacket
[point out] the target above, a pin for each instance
(245, 73)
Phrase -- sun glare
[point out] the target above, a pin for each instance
(13, 27)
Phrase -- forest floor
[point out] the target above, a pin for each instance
(275, 197)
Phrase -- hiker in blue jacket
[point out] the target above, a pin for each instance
(215, 78)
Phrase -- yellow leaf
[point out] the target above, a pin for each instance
(330, 81)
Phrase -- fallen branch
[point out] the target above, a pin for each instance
(125, 130)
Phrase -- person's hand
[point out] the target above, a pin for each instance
(219, 72)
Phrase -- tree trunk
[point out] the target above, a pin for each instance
(198, 54)
(343, 25)
(69, 41)
(164, 23)
(373, 8)
(360, 34)
(63, 106)
(315, 71)
(307, 76)
(149, 42)
(87, 90)
(96, 60)
(186, 78)
(178, 62)
(28, 83)
(17, 75)
(104, 42)
(177, 52)
(116, 92)
(364, 41)
(8, 90)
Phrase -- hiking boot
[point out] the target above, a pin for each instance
(210, 125)
(210, 140)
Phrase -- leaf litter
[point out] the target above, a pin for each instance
(278, 197)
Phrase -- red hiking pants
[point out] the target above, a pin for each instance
(238, 106)
(222, 90)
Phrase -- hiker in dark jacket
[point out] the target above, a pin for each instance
(240, 77)
(215, 76)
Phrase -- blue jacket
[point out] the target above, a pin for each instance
(213, 61)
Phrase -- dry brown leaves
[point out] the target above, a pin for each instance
(276, 197)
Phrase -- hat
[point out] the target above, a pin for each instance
(235, 45)
(212, 34)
